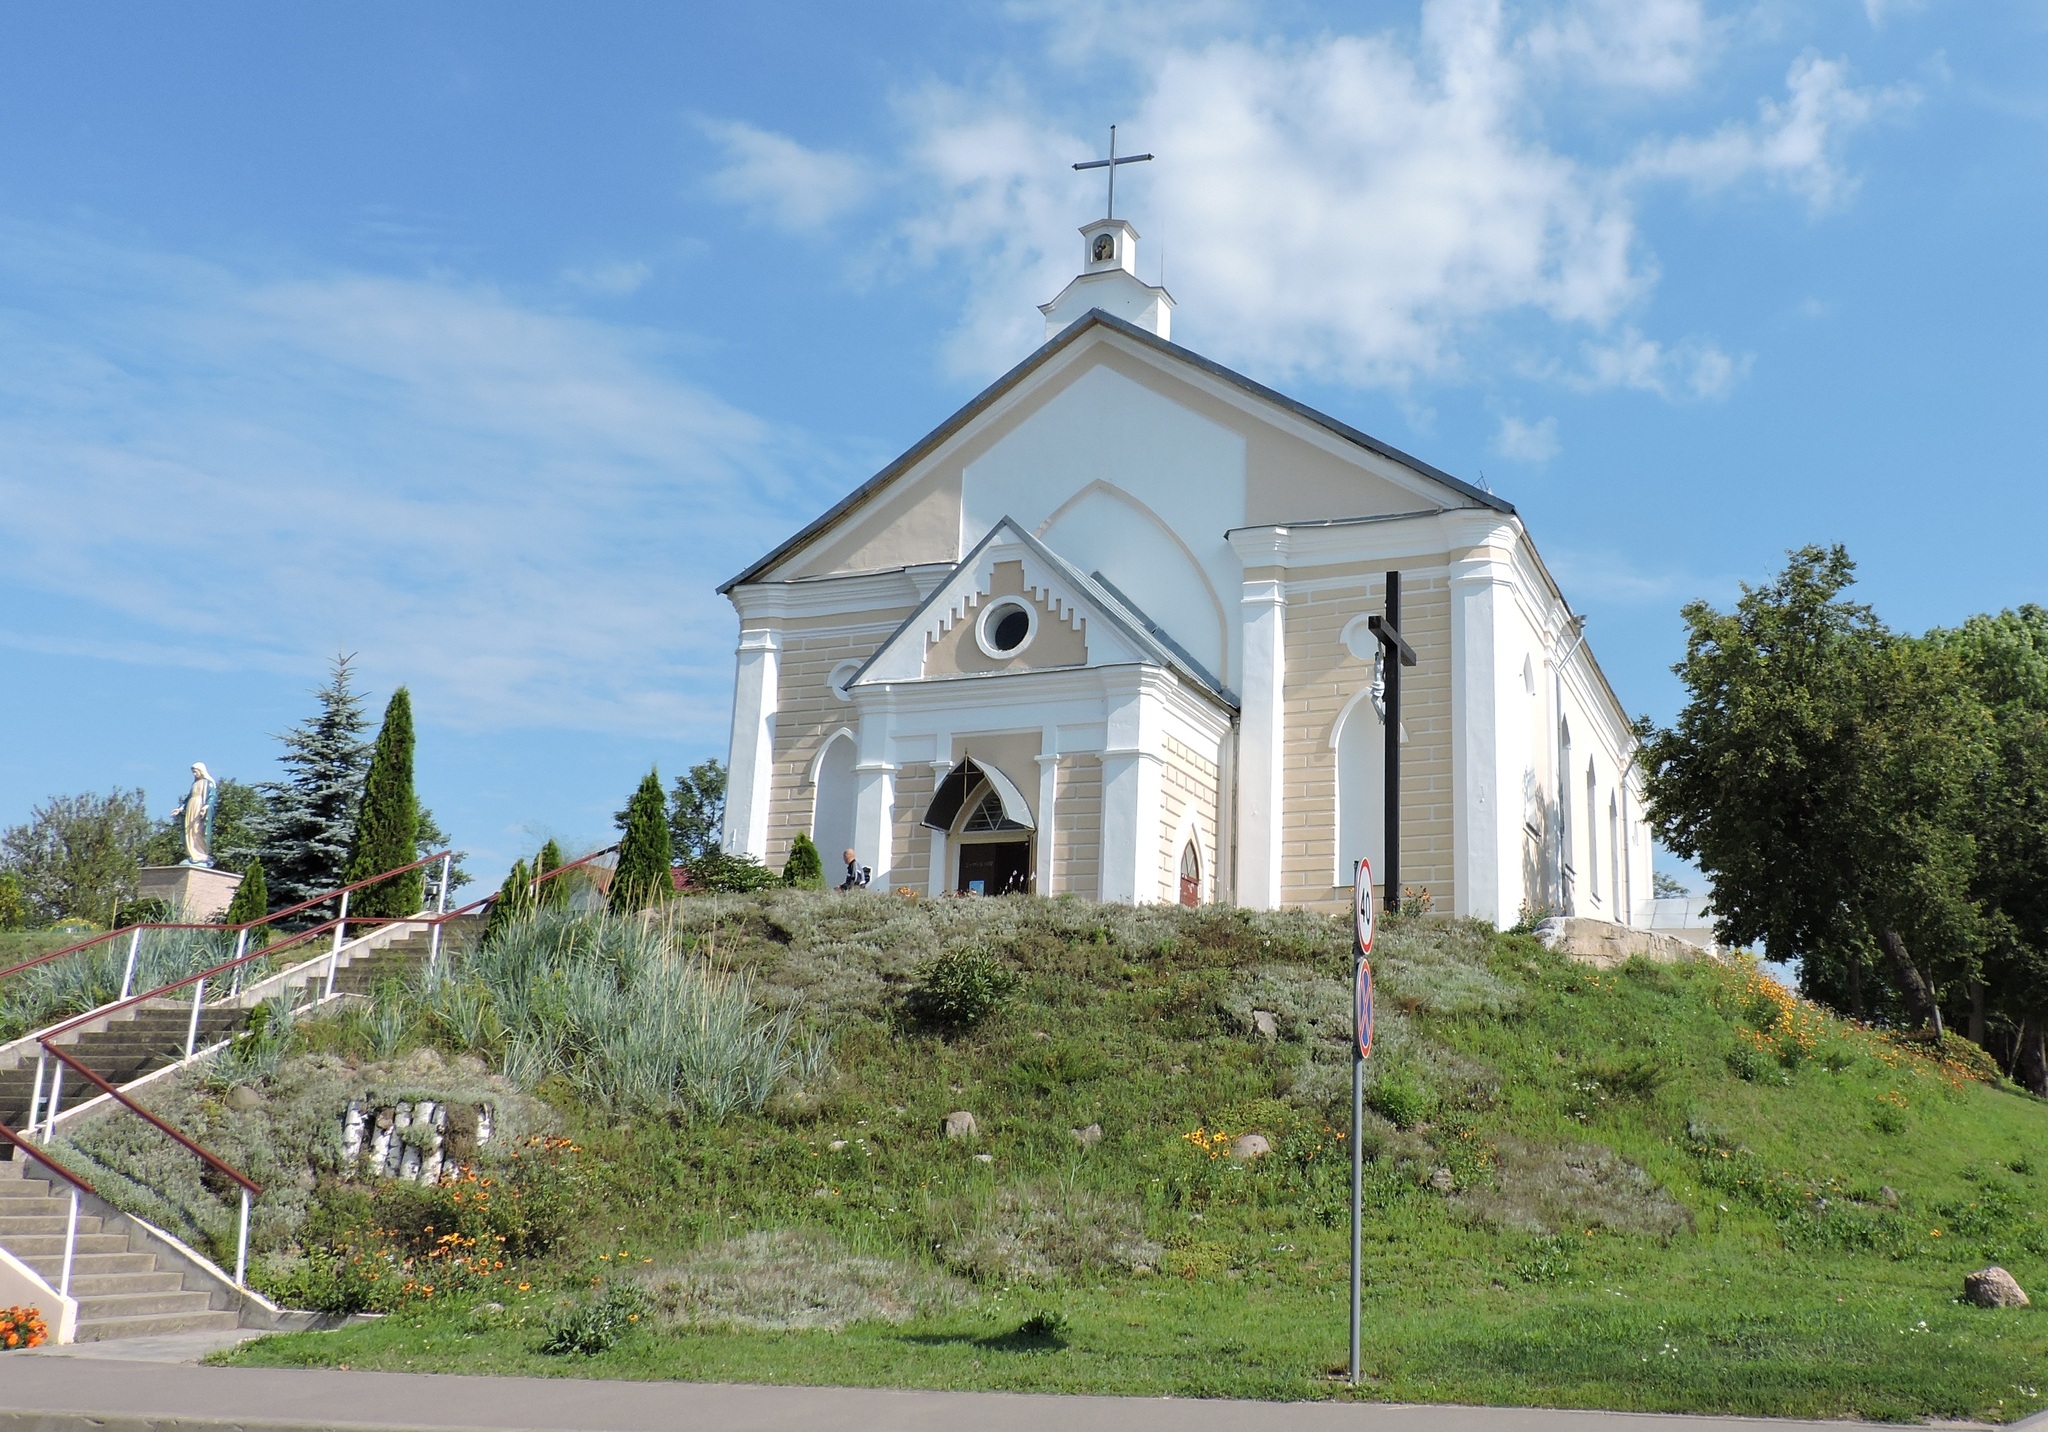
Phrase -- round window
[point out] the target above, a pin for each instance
(1006, 628)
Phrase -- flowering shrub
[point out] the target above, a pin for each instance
(21, 1329)
(399, 1243)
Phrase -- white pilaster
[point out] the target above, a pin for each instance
(874, 809)
(1048, 795)
(936, 884)
(1261, 732)
(750, 763)
(1485, 765)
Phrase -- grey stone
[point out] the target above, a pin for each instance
(1993, 1288)
(1089, 1137)
(961, 1125)
(1442, 1181)
(1890, 1196)
(985, 1158)
(1266, 1024)
(836, 1145)
(243, 1097)
(1250, 1146)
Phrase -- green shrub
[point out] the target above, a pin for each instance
(1400, 1100)
(805, 868)
(959, 988)
(597, 1324)
(722, 872)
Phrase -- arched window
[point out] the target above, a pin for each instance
(832, 801)
(1592, 832)
(1190, 875)
(1361, 744)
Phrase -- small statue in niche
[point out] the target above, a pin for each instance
(195, 816)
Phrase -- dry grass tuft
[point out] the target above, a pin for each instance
(1568, 1188)
(796, 1278)
(1032, 1234)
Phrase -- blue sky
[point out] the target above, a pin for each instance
(484, 340)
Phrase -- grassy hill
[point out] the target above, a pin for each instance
(1655, 1187)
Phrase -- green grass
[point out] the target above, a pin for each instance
(1631, 1223)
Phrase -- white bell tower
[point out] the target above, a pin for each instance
(1109, 268)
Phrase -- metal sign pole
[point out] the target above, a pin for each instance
(1361, 1048)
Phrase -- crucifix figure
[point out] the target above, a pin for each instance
(1396, 653)
(1110, 164)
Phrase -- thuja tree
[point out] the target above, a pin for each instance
(514, 898)
(804, 869)
(388, 822)
(311, 819)
(642, 875)
(251, 902)
(550, 892)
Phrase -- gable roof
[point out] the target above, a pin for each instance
(1137, 629)
(1095, 318)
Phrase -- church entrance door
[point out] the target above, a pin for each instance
(995, 867)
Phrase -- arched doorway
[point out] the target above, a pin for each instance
(832, 799)
(1190, 875)
(989, 826)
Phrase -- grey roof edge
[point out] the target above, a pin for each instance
(1096, 317)
(1169, 655)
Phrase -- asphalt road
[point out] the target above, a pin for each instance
(74, 1393)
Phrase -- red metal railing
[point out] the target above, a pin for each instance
(48, 1050)
(21, 1144)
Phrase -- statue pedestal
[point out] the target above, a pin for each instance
(198, 893)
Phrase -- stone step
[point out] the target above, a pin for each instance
(47, 1206)
(32, 1247)
(19, 1186)
(110, 1306)
(161, 1325)
(104, 1285)
(125, 1265)
(12, 1228)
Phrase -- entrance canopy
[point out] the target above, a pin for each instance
(961, 781)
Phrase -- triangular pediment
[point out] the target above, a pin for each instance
(1294, 464)
(1014, 606)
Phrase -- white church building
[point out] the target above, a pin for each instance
(1103, 632)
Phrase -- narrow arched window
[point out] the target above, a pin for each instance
(1190, 875)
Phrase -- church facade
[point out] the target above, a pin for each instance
(1104, 633)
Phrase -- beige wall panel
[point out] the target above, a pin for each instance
(1077, 829)
(911, 843)
(1054, 644)
(1322, 676)
(807, 713)
(1014, 753)
(1188, 780)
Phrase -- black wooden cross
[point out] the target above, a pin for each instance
(1110, 164)
(1399, 654)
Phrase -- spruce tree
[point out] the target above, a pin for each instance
(388, 824)
(805, 869)
(312, 811)
(251, 902)
(642, 876)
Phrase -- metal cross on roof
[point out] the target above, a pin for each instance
(1110, 164)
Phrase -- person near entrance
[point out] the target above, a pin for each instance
(857, 875)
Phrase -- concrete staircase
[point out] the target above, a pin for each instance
(128, 1046)
(121, 1292)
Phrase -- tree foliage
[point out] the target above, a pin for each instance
(804, 869)
(78, 855)
(552, 893)
(14, 912)
(388, 821)
(642, 875)
(696, 820)
(1870, 803)
(251, 902)
(312, 816)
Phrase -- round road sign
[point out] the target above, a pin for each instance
(1361, 908)
(1362, 1009)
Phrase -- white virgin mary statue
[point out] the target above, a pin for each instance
(195, 813)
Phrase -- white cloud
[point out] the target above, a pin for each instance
(1361, 208)
(1625, 44)
(1534, 443)
(1795, 144)
(613, 280)
(782, 182)
(503, 507)
(1693, 368)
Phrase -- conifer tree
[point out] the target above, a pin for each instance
(312, 811)
(552, 893)
(388, 824)
(515, 898)
(642, 876)
(804, 869)
(251, 902)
